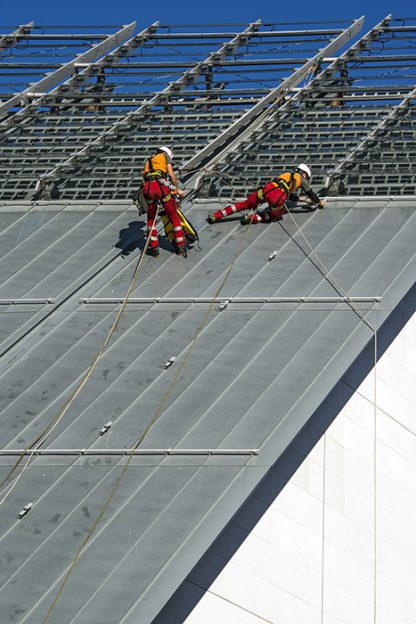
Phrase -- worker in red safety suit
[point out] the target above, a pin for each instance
(275, 193)
(160, 184)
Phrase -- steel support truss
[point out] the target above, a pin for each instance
(31, 97)
(133, 116)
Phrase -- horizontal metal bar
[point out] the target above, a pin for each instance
(95, 452)
(261, 34)
(92, 300)
(25, 301)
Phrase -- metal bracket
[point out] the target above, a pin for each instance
(261, 300)
(123, 452)
(26, 301)
(8, 41)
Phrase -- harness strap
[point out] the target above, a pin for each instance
(284, 185)
(153, 175)
(261, 193)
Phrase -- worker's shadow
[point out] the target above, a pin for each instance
(131, 238)
(299, 207)
(134, 237)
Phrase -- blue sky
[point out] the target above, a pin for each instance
(46, 12)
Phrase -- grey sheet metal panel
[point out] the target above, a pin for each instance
(254, 378)
(122, 549)
(54, 254)
(67, 237)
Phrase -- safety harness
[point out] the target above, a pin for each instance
(151, 174)
(279, 182)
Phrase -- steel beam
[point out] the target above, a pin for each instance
(174, 87)
(261, 34)
(275, 95)
(67, 69)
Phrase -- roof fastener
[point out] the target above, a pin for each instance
(105, 428)
(25, 510)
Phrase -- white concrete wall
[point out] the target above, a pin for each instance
(310, 559)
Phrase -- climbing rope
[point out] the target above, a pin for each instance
(323, 530)
(44, 435)
(142, 436)
(332, 281)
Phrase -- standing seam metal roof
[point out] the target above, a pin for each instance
(256, 374)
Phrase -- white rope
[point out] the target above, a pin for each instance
(323, 530)
(375, 484)
(332, 281)
(41, 439)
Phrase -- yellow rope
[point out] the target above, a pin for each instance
(150, 424)
(41, 439)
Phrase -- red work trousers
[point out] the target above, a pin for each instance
(153, 192)
(272, 194)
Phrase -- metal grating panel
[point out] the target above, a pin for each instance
(355, 122)
(90, 134)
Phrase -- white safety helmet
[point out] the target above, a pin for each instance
(167, 151)
(304, 169)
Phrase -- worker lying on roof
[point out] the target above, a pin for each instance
(160, 184)
(275, 193)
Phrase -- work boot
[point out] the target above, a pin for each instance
(153, 251)
(250, 218)
(211, 218)
(182, 250)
